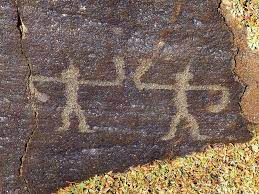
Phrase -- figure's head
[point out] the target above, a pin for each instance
(186, 75)
(72, 70)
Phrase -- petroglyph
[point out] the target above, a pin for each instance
(181, 87)
(69, 77)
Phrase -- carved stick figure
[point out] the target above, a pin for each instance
(70, 79)
(181, 87)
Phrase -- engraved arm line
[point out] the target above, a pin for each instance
(147, 64)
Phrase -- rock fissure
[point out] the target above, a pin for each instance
(22, 29)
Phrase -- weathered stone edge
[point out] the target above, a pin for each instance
(242, 68)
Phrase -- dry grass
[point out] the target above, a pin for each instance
(247, 13)
(221, 169)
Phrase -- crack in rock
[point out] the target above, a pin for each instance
(29, 82)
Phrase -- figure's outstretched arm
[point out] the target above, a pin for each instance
(120, 65)
(145, 65)
(215, 108)
(143, 68)
(38, 78)
(34, 92)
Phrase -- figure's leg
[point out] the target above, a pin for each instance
(194, 128)
(83, 127)
(65, 119)
(173, 127)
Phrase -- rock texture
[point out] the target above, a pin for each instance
(246, 68)
(16, 118)
(104, 85)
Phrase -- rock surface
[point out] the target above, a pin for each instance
(103, 85)
(246, 68)
(16, 118)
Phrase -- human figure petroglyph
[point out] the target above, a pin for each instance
(70, 77)
(181, 87)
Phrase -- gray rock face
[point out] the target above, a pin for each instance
(93, 86)
(16, 120)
